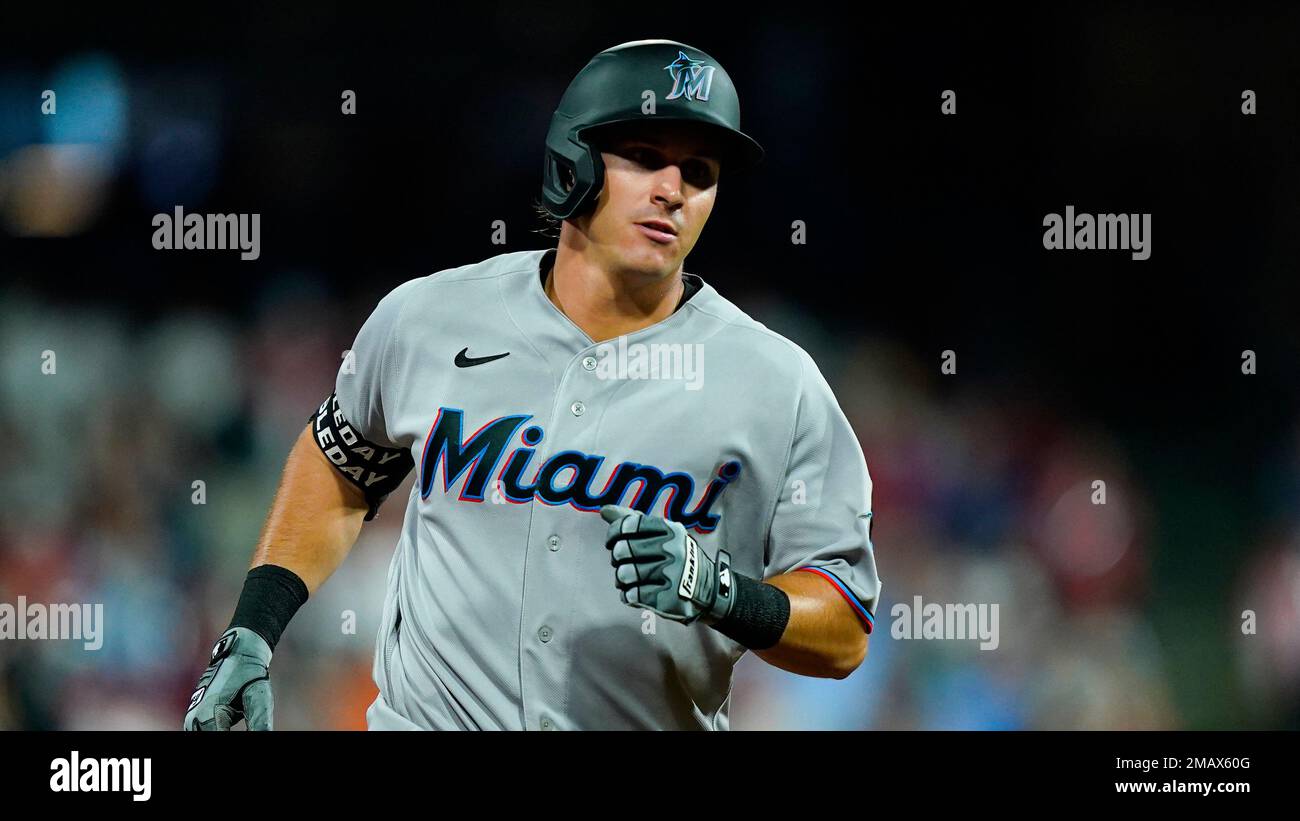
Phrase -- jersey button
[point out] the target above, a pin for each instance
(553, 543)
(544, 634)
(546, 724)
(578, 408)
(589, 362)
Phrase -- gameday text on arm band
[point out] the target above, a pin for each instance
(375, 469)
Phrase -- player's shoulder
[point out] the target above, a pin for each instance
(426, 295)
(483, 273)
(509, 264)
(776, 354)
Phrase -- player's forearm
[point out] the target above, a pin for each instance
(824, 637)
(315, 518)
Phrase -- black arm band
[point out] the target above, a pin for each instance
(376, 470)
(270, 597)
(758, 616)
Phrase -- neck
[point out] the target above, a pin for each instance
(607, 304)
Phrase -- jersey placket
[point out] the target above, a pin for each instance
(555, 551)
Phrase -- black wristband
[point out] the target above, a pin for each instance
(270, 597)
(758, 616)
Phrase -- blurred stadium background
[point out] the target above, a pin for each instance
(924, 235)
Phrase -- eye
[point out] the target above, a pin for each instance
(641, 156)
(699, 174)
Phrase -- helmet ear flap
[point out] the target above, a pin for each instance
(572, 181)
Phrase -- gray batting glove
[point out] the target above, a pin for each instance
(236, 685)
(660, 567)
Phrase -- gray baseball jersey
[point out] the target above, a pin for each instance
(501, 610)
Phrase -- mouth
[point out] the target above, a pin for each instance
(658, 230)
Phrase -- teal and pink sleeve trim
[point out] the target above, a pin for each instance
(858, 607)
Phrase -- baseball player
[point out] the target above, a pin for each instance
(622, 481)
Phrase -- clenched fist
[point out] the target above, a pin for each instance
(236, 685)
(659, 566)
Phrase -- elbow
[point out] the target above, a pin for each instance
(853, 654)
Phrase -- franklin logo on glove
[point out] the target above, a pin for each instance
(687, 588)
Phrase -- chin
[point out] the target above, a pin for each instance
(647, 261)
(651, 264)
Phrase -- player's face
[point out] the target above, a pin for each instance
(664, 174)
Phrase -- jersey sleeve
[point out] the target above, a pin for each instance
(367, 376)
(822, 520)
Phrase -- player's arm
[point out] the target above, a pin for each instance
(339, 472)
(824, 636)
(806, 621)
(312, 525)
(816, 604)
(314, 519)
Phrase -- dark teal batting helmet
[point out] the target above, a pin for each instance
(640, 81)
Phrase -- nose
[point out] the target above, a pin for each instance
(668, 186)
